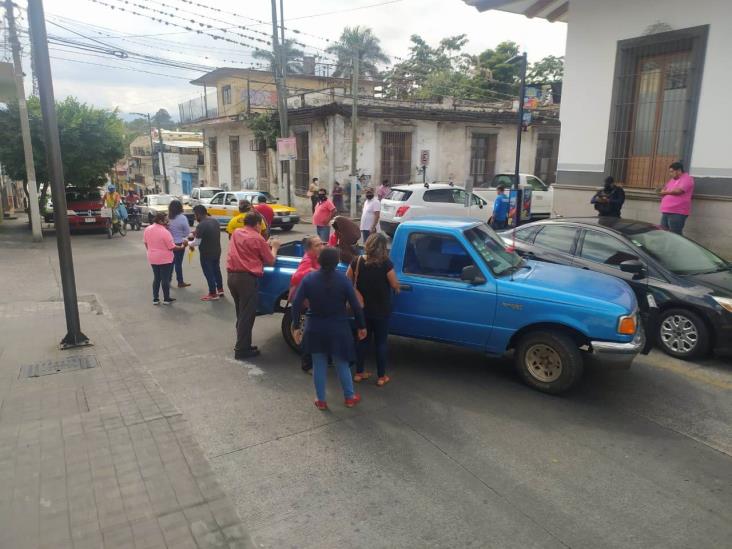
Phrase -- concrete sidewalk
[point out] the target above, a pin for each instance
(92, 452)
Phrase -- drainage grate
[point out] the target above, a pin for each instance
(49, 367)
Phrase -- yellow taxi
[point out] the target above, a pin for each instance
(225, 205)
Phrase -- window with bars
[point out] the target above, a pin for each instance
(235, 157)
(302, 164)
(396, 157)
(547, 153)
(483, 158)
(226, 95)
(655, 97)
(213, 155)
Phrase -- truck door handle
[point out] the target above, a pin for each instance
(405, 287)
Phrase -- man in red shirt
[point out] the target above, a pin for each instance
(248, 254)
(265, 210)
(325, 211)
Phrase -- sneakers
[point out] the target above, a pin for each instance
(321, 405)
(220, 292)
(156, 302)
(183, 284)
(168, 301)
(351, 402)
(210, 297)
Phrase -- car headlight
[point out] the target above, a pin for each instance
(725, 302)
(70, 212)
(627, 325)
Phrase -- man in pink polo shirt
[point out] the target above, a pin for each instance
(676, 199)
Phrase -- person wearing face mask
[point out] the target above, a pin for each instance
(609, 200)
(324, 213)
(370, 214)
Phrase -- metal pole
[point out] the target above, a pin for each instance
(281, 97)
(283, 69)
(74, 337)
(354, 133)
(519, 132)
(30, 168)
(166, 187)
(152, 148)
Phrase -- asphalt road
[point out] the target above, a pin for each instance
(455, 452)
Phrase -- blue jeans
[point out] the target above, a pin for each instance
(323, 233)
(365, 235)
(178, 256)
(499, 225)
(320, 373)
(377, 332)
(673, 222)
(161, 277)
(212, 271)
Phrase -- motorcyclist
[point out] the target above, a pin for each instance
(112, 199)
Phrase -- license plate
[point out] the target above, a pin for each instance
(285, 220)
(90, 220)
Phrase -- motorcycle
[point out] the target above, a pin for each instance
(134, 216)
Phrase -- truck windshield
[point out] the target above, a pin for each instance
(492, 249)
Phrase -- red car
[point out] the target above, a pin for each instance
(83, 208)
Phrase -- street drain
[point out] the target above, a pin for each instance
(48, 367)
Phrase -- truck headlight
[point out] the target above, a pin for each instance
(627, 325)
(725, 302)
(70, 212)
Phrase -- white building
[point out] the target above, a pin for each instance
(645, 85)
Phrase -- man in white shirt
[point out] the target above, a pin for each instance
(370, 214)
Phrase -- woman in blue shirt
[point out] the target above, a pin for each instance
(328, 327)
(179, 228)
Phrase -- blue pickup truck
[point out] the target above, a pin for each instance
(460, 285)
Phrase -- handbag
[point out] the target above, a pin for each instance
(359, 296)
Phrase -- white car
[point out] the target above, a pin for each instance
(203, 195)
(423, 199)
(542, 195)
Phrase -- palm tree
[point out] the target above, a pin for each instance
(361, 40)
(293, 55)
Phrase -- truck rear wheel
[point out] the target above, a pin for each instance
(549, 361)
(291, 336)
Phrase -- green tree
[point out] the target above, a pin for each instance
(92, 140)
(163, 120)
(359, 40)
(293, 55)
(546, 71)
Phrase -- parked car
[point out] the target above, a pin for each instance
(203, 195)
(691, 286)
(152, 203)
(225, 205)
(460, 285)
(428, 199)
(83, 209)
(542, 195)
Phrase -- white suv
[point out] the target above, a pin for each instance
(542, 195)
(419, 200)
(203, 195)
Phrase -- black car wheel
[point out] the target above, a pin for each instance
(683, 334)
(286, 228)
(549, 361)
(291, 335)
(150, 219)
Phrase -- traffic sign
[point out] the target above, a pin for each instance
(424, 158)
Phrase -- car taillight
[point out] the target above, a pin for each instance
(627, 325)
(401, 211)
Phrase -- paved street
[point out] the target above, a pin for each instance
(455, 452)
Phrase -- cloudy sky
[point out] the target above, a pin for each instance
(105, 81)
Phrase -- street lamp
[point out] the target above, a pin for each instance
(522, 59)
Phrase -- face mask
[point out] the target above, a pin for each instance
(369, 196)
(322, 197)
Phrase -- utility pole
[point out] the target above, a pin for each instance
(166, 187)
(522, 60)
(30, 168)
(281, 97)
(354, 133)
(37, 23)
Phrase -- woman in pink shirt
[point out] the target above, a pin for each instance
(160, 247)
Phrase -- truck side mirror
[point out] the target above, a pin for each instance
(472, 274)
(633, 266)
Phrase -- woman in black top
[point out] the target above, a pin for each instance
(374, 277)
(328, 329)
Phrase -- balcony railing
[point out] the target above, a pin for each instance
(197, 109)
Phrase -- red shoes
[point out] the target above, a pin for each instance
(351, 402)
(321, 405)
(210, 297)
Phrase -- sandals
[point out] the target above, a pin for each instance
(383, 381)
(351, 402)
(321, 405)
(359, 377)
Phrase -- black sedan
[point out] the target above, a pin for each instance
(691, 286)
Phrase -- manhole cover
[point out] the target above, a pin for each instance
(49, 367)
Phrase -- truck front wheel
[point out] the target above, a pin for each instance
(549, 361)
(291, 335)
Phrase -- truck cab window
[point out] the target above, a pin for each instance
(435, 255)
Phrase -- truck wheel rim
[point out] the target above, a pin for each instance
(679, 334)
(543, 363)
